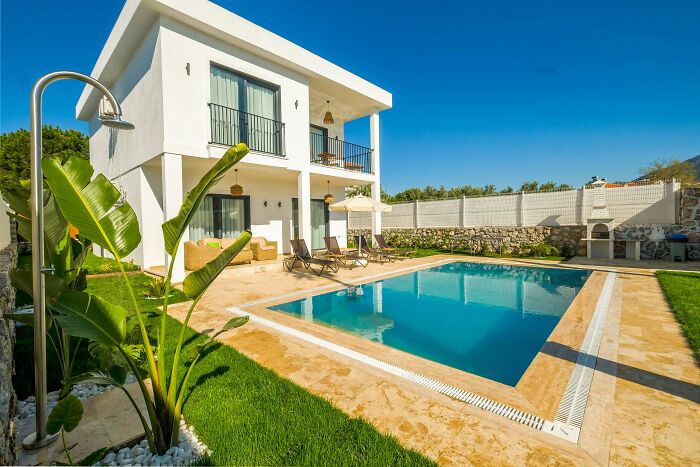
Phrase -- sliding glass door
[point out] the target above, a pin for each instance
(221, 216)
(319, 142)
(319, 222)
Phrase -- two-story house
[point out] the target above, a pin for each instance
(194, 78)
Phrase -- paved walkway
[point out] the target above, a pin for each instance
(644, 406)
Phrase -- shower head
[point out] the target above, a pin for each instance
(115, 121)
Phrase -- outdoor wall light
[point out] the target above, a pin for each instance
(296, 104)
(110, 119)
(279, 204)
(187, 67)
(265, 203)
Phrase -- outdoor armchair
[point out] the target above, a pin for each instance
(263, 249)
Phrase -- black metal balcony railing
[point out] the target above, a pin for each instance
(231, 126)
(337, 153)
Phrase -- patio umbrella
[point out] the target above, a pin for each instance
(360, 203)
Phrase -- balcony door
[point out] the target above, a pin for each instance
(244, 110)
(320, 218)
(221, 216)
(319, 142)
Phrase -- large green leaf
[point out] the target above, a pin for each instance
(115, 375)
(90, 205)
(197, 282)
(194, 351)
(22, 280)
(27, 318)
(174, 229)
(66, 414)
(17, 199)
(55, 226)
(83, 315)
(56, 237)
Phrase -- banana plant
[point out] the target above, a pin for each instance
(90, 204)
(64, 254)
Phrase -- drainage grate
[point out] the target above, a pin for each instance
(573, 404)
(443, 388)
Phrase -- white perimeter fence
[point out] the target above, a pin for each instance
(638, 203)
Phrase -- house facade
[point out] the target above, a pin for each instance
(194, 79)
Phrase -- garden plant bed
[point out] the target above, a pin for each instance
(261, 417)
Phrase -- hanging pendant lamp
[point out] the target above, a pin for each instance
(236, 190)
(328, 119)
(328, 199)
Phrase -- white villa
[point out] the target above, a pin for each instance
(194, 79)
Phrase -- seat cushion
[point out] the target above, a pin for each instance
(227, 242)
(207, 241)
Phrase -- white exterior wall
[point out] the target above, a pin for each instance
(144, 62)
(186, 114)
(273, 222)
(139, 90)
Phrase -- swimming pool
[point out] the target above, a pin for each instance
(487, 319)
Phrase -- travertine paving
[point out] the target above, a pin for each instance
(644, 406)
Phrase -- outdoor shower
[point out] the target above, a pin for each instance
(113, 120)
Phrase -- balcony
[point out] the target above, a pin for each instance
(231, 126)
(333, 152)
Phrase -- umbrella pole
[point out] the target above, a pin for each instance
(359, 242)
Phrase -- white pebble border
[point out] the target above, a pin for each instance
(27, 407)
(189, 449)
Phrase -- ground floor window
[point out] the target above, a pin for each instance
(221, 216)
(320, 218)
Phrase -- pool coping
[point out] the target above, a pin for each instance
(517, 403)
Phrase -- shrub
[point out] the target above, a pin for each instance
(539, 250)
(155, 287)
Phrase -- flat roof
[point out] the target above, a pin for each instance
(138, 15)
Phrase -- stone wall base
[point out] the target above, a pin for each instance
(566, 238)
(8, 399)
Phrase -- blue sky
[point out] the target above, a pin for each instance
(484, 92)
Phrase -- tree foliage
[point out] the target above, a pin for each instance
(683, 171)
(431, 192)
(14, 152)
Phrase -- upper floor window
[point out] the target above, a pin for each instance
(243, 94)
(245, 110)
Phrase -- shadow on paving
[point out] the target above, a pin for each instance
(675, 387)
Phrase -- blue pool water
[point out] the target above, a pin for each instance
(487, 319)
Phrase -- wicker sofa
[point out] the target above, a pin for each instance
(200, 253)
(263, 249)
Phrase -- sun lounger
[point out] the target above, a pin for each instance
(374, 253)
(301, 253)
(347, 258)
(399, 252)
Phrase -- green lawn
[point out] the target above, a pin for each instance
(93, 263)
(250, 416)
(421, 252)
(97, 265)
(683, 292)
(110, 288)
